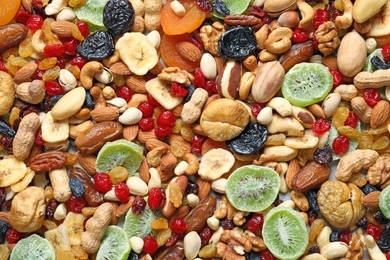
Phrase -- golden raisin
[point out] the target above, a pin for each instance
(79, 252)
(366, 140)
(178, 125)
(51, 74)
(187, 133)
(175, 194)
(339, 116)
(159, 224)
(47, 63)
(25, 47)
(118, 174)
(50, 37)
(76, 33)
(349, 132)
(381, 143)
(48, 224)
(76, 3)
(71, 159)
(163, 236)
(208, 251)
(315, 228)
(15, 114)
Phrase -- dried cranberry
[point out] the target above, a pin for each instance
(22, 16)
(256, 108)
(320, 16)
(163, 198)
(226, 224)
(300, 35)
(146, 124)
(102, 182)
(323, 155)
(206, 233)
(34, 22)
(338, 77)
(257, 11)
(172, 239)
(177, 90)
(38, 137)
(8, 204)
(178, 226)
(70, 46)
(374, 230)
(138, 205)
(83, 28)
(340, 144)
(13, 236)
(154, 198)
(352, 120)
(196, 39)
(53, 50)
(321, 126)
(124, 92)
(76, 204)
(192, 187)
(204, 5)
(345, 236)
(150, 245)
(372, 96)
(386, 52)
(388, 255)
(162, 131)
(6, 142)
(2, 66)
(199, 78)
(51, 208)
(266, 255)
(38, 74)
(312, 215)
(79, 62)
(255, 223)
(53, 88)
(152, 101)
(211, 87)
(146, 108)
(196, 143)
(167, 119)
(122, 192)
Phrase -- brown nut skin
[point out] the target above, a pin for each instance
(197, 218)
(11, 35)
(28, 209)
(92, 197)
(341, 203)
(310, 176)
(298, 53)
(92, 139)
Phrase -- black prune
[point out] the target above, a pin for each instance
(384, 239)
(368, 188)
(379, 63)
(362, 223)
(380, 218)
(133, 256)
(221, 8)
(3, 230)
(88, 102)
(118, 16)
(251, 255)
(237, 43)
(334, 236)
(250, 140)
(55, 99)
(191, 90)
(312, 198)
(97, 46)
(323, 155)
(76, 187)
(6, 130)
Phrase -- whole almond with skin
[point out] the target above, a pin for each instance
(188, 51)
(292, 170)
(371, 200)
(120, 68)
(62, 28)
(25, 73)
(310, 176)
(380, 113)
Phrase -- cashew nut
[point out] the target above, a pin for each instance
(193, 163)
(315, 256)
(373, 249)
(334, 250)
(345, 21)
(279, 40)
(88, 72)
(322, 238)
(280, 105)
(38, 43)
(307, 13)
(55, 7)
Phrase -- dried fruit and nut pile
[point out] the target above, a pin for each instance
(172, 129)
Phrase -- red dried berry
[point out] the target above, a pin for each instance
(338, 77)
(70, 46)
(321, 126)
(162, 131)
(152, 101)
(122, 191)
(386, 52)
(150, 245)
(146, 108)
(320, 16)
(124, 92)
(146, 124)
(166, 119)
(199, 79)
(266, 255)
(172, 239)
(178, 226)
(138, 205)
(196, 143)
(388, 255)
(154, 198)
(256, 108)
(13, 236)
(352, 120)
(177, 90)
(83, 28)
(34, 22)
(204, 5)
(79, 62)
(206, 233)
(300, 35)
(255, 223)
(340, 144)
(54, 50)
(375, 231)
(102, 182)
(53, 88)
(22, 16)
(38, 137)
(76, 204)
(345, 236)
(372, 96)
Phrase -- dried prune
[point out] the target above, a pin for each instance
(312, 198)
(6, 130)
(368, 188)
(384, 239)
(88, 102)
(250, 140)
(323, 155)
(76, 187)
(334, 236)
(237, 43)
(118, 16)
(191, 90)
(252, 255)
(54, 99)
(3, 231)
(98, 46)
(133, 256)
(221, 7)
(379, 63)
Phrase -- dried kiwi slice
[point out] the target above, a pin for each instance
(33, 247)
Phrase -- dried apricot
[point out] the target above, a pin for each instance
(8, 10)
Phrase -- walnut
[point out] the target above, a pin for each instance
(341, 203)
(233, 245)
(175, 74)
(257, 242)
(327, 38)
(210, 35)
(379, 173)
(355, 248)
(226, 210)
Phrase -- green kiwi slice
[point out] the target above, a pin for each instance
(284, 233)
(92, 13)
(384, 202)
(139, 225)
(306, 84)
(114, 244)
(252, 188)
(32, 248)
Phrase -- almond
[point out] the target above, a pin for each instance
(88, 162)
(188, 51)
(292, 170)
(204, 188)
(25, 73)
(380, 113)
(62, 28)
(136, 83)
(330, 62)
(371, 200)
(102, 114)
(120, 68)
(130, 132)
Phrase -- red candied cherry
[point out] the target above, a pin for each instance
(374, 230)
(320, 126)
(338, 77)
(124, 92)
(178, 226)
(34, 22)
(199, 78)
(146, 124)
(352, 120)
(388, 255)
(54, 50)
(177, 90)
(255, 223)
(53, 88)
(38, 137)
(146, 108)
(300, 35)
(61, 61)
(372, 96)
(13, 236)
(386, 52)
(152, 101)
(102, 182)
(154, 198)
(150, 245)
(78, 61)
(76, 204)
(196, 143)
(2, 66)
(83, 28)
(22, 16)
(340, 144)
(211, 87)
(267, 255)
(138, 205)
(320, 16)
(345, 236)
(166, 119)
(162, 131)
(256, 108)
(122, 192)
(70, 46)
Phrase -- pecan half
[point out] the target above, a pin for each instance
(48, 161)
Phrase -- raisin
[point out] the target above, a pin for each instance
(191, 90)
(380, 218)
(221, 8)
(334, 236)
(368, 188)
(98, 46)
(6, 130)
(312, 198)
(88, 102)
(250, 140)
(138, 205)
(6, 142)
(384, 239)
(2, 196)
(51, 208)
(252, 255)
(204, 5)
(314, 249)
(76, 187)
(3, 230)
(133, 256)
(323, 155)
(118, 16)
(362, 223)
(237, 43)
(379, 64)
(227, 224)
(55, 99)
(91, 195)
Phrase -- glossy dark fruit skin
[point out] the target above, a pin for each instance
(384, 239)
(312, 198)
(323, 155)
(133, 256)
(98, 46)
(251, 140)
(3, 230)
(118, 16)
(251, 255)
(76, 187)
(54, 100)
(368, 188)
(237, 43)
(379, 63)
(88, 102)
(334, 236)
(6, 130)
(220, 7)
(191, 90)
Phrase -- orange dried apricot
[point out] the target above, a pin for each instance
(173, 24)
(8, 10)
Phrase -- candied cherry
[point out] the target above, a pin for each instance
(211, 87)
(177, 90)
(374, 230)
(76, 204)
(38, 137)
(166, 119)
(256, 108)
(122, 192)
(83, 28)
(162, 131)
(196, 143)
(8, 10)
(70, 46)
(300, 35)
(124, 92)
(146, 124)
(321, 126)
(61, 61)
(352, 120)
(345, 236)
(178, 226)
(266, 255)
(338, 77)
(199, 79)
(13, 236)
(138, 205)
(386, 53)
(78, 61)
(320, 16)
(53, 50)
(255, 223)
(154, 198)
(102, 182)
(22, 16)
(340, 144)
(34, 22)
(372, 96)
(146, 108)
(151, 100)
(150, 245)
(53, 88)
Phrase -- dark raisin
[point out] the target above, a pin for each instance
(97, 46)
(191, 90)
(312, 215)
(323, 155)
(221, 8)
(76, 187)
(118, 16)
(204, 5)
(172, 239)
(379, 63)
(133, 256)
(6, 130)
(368, 188)
(138, 205)
(252, 255)
(2, 196)
(380, 218)
(51, 208)
(249, 141)
(314, 249)
(55, 99)
(192, 187)
(384, 239)
(6, 142)
(27, 109)
(237, 43)
(227, 224)
(8, 204)
(88, 102)
(45, 104)
(334, 236)
(312, 198)
(362, 223)
(196, 39)
(3, 230)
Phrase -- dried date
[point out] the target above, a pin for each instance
(92, 197)
(196, 219)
